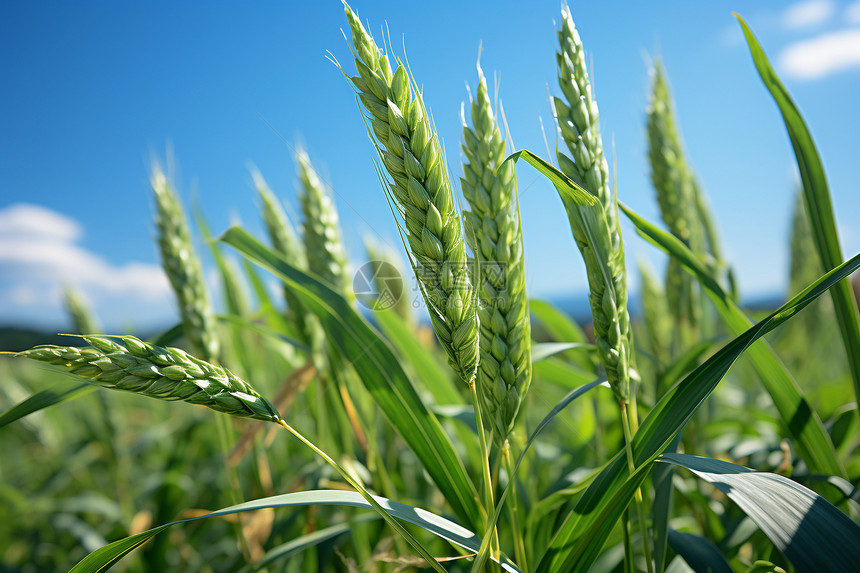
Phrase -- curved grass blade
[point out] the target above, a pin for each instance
(543, 350)
(563, 184)
(800, 420)
(580, 538)
(46, 398)
(818, 205)
(381, 373)
(807, 529)
(103, 558)
(699, 552)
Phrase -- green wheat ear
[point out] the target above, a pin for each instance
(681, 201)
(421, 192)
(597, 233)
(184, 270)
(286, 242)
(326, 256)
(127, 363)
(494, 234)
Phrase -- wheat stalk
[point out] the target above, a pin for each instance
(596, 231)
(184, 270)
(130, 364)
(494, 234)
(410, 151)
(82, 317)
(326, 256)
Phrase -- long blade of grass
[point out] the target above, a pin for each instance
(564, 184)
(402, 337)
(46, 398)
(811, 532)
(580, 538)
(381, 373)
(801, 421)
(543, 350)
(818, 204)
(108, 555)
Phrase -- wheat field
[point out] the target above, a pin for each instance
(420, 409)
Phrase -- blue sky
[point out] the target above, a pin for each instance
(94, 90)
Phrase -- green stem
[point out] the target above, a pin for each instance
(489, 502)
(630, 417)
(519, 545)
(628, 544)
(223, 430)
(321, 416)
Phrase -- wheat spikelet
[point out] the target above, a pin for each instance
(494, 234)
(596, 231)
(678, 196)
(184, 270)
(410, 151)
(129, 364)
(286, 242)
(324, 247)
(670, 173)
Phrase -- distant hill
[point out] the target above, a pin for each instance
(15, 339)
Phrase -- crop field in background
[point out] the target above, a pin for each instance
(422, 410)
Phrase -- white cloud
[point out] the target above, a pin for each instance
(39, 254)
(26, 220)
(852, 13)
(807, 14)
(822, 56)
